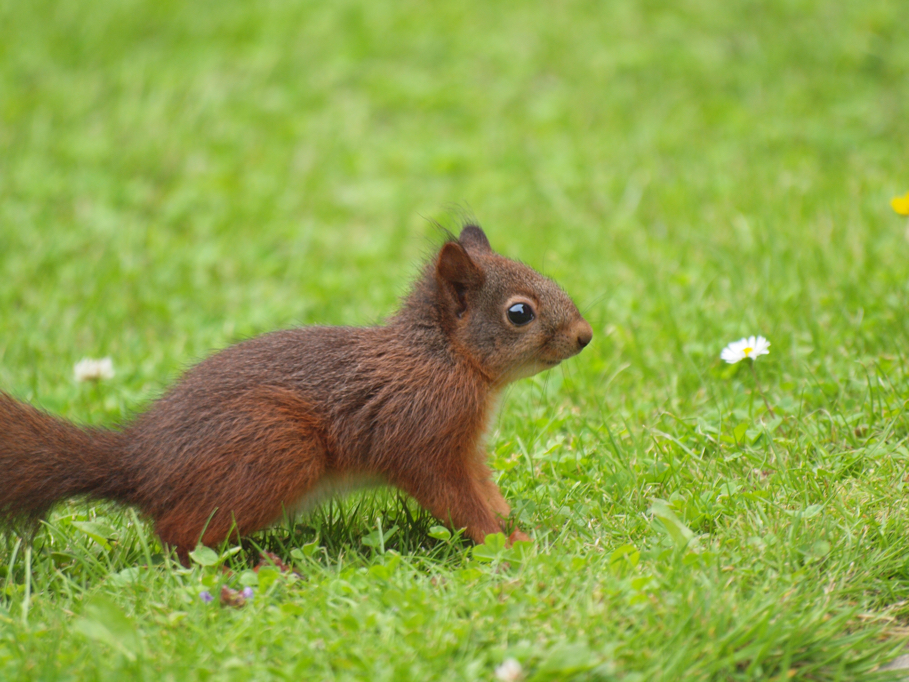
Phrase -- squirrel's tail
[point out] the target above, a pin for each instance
(44, 460)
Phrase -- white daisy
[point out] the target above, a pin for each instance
(509, 671)
(751, 347)
(88, 369)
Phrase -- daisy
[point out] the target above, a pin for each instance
(94, 370)
(751, 347)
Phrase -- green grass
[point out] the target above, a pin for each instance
(178, 176)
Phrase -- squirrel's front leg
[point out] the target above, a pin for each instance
(461, 499)
(494, 496)
(459, 504)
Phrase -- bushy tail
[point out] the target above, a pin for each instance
(44, 460)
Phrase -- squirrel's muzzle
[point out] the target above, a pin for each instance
(583, 333)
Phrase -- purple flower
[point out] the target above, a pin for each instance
(205, 596)
(248, 593)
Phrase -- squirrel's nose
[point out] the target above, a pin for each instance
(583, 333)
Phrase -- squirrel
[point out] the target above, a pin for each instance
(276, 423)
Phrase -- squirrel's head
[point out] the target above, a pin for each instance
(505, 316)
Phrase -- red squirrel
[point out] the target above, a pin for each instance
(277, 422)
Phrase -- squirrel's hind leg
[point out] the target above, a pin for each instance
(236, 508)
(271, 457)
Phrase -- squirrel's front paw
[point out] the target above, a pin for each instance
(518, 535)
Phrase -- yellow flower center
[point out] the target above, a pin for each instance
(747, 351)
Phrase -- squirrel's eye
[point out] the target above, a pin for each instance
(520, 314)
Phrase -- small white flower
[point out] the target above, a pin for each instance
(751, 347)
(509, 671)
(88, 369)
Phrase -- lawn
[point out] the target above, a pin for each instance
(177, 176)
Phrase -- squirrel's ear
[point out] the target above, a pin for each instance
(472, 237)
(457, 273)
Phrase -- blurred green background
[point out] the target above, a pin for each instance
(176, 176)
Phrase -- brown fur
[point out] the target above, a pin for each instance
(276, 422)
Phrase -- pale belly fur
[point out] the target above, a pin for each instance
(333, 486)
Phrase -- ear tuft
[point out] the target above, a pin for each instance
(457, 274)
(472, 237)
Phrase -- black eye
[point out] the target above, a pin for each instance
(520, 314)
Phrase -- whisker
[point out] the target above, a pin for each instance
(596, 300)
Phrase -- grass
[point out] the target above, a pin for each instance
(178, 176)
